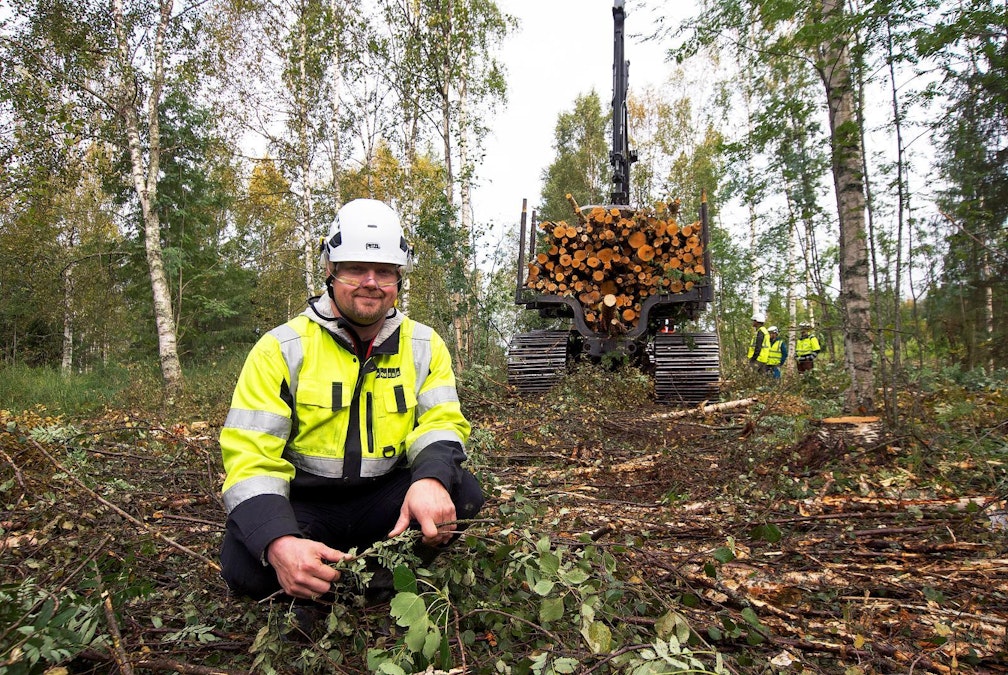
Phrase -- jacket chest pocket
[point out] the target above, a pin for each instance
(394, 417)
(322, 416)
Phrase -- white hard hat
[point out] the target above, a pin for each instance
(367, 230)
(772, 329)
(759, 316)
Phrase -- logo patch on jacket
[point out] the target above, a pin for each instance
(387, 373)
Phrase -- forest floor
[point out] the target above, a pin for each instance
(789, 545)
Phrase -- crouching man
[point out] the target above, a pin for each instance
(345, 426)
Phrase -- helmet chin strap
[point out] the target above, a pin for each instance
(342, 313)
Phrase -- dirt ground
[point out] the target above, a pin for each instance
(826, 544)
(848, 565)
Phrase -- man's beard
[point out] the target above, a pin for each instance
(366, 316)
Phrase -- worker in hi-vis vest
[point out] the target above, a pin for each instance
(806, 348)
(759, 346)
(345, 426)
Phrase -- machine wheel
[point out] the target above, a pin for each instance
(537, 360)
(687, 367)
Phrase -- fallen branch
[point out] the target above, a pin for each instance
(140, 524)
(867, 654)
(177, 667)
(707, 409)
(121, 659)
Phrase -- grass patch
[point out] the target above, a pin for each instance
(135, 387)
(24, 388)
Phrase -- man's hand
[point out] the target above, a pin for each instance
(301, 567)
(429, 504)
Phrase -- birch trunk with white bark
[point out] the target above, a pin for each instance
(835, 70)
(68, 322)
(145, 169)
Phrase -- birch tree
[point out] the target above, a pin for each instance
(448, 68)
(286, 88)
(818, 35)
(114, 64)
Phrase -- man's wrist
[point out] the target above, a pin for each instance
(266, 551)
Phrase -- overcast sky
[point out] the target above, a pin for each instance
(544, 77)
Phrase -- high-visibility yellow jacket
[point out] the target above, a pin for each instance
(759, 345)
(777, 352)
(807, 347)
(308, 417)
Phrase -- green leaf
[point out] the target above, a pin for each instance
(543, 587)
(416, 635)
(767, 532)
(574, 577)
(549, 563)
(724, 554)
(750, 616)
(665, 625)
(408, 608)
(432, 643)
(404, 579)
(565, 665)
(598, 636)
(551, 609)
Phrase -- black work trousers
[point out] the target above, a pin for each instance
(355, 517)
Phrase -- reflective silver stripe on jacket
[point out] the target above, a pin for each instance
(293, 354)
(430, 438)
(253, 487)
(436, 396)
(421, 353)
(332, 467)
(259, 420)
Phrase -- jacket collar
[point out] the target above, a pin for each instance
(320, 311)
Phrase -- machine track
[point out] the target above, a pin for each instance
(687, 367)
(537, 360)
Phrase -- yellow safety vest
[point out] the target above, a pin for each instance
(764, 347)
(774, 355)
(806, 346)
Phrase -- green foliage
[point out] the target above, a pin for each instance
(265, 245)
(41, 627)
(581, 167)
(136, 387)
(210, 290)
(588, 384)
(516, 600)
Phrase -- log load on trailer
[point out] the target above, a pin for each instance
(626, 278)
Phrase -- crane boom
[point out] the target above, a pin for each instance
(621, 156)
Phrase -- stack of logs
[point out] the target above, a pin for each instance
(612, 259)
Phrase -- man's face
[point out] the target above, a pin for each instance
(365, 292)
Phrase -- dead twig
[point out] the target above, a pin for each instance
(141, 525)
(121, 659)
(171, 666)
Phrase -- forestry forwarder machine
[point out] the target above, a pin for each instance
(685, 366)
